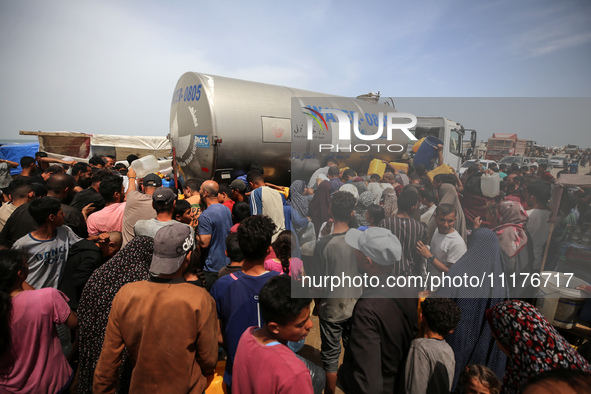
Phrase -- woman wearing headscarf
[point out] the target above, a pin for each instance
(508, 220)
(376, 189)
(298, 199)
(390, 202)
(473, 202)
(349, 188)
(130, 264)
(449, 195)
(318, 210)
(472, 340)
(531, 343)
(363, 202)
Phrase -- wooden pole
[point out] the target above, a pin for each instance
(547, 246)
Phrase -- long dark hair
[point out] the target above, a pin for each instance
(11, 262)
(282, 248)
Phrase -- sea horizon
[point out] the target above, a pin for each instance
(4, 141)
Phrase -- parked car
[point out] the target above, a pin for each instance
(485, 164)
(544, 160)
(520, 160)
(557, 161)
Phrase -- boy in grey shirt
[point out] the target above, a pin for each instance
(430, 364)
(48, 245)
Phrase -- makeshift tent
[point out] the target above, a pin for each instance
(565, 181)
(83, 146)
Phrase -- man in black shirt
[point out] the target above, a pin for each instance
(82, 174)
(29, 168)
(19, 224)
(92, 195)
(384, 320)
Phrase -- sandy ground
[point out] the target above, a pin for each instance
(311, 349)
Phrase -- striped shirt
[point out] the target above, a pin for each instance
(409, 232)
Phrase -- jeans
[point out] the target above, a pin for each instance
(331, 334)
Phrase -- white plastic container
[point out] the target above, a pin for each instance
(146, 165)
(561, 305)
(490, 185)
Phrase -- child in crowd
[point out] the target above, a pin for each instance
(182, 212)
(240, 211)
(234, 254)
(478, 379)
(430, 363)
(236, 294)
(31, 357)
(374, 215)
(333, 256)
(284, 263)
(48, 246)
(264, 363)
(225, 196)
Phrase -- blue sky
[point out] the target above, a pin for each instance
(111, 66)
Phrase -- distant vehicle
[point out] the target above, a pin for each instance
(500, 145)
(545, 160)
(520, 160)
(571, 149)
(486, 164)
(557, 161)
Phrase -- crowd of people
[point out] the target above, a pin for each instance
(111, 283)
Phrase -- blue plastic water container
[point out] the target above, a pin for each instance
(427, 152)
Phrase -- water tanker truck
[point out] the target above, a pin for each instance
(219, 126)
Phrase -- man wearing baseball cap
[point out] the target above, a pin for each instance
(168, 326)
(238, 189)
(139, 205)
(384, 320)
(163, 201)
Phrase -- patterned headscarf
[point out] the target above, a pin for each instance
(376, 189)
(297, 199)
(390, 202)
(365, 200)
(511, 231)
(130, 264)
(535, 346)
(472, 340)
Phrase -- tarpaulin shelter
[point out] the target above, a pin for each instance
(14, 152)
(565, 181)
(82, 146)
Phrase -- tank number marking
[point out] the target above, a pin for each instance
(201, 141)
(189, 93)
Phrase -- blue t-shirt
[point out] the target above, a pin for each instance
(216, 221)
(237, 297)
